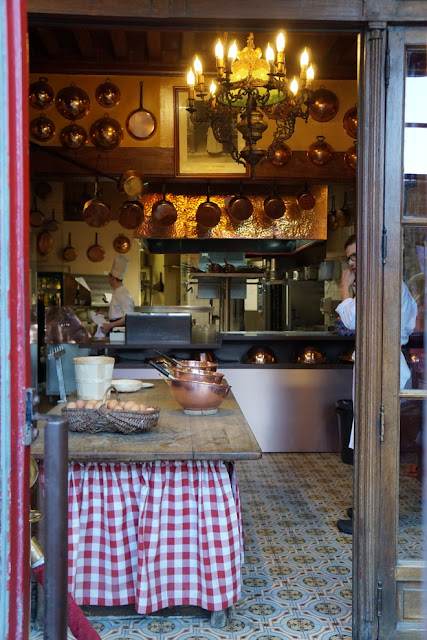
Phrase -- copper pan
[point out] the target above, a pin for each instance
(201, 375)
(193, 365)
(131, 214)
(95, 212)
(164, 212)
(96, 253)
(208, 213)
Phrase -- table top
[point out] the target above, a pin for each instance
(225, 435)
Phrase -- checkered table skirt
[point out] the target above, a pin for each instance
(156, 534)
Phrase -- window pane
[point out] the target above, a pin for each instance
(412, 308)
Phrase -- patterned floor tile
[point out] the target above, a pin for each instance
(297, 572)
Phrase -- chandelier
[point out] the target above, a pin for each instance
(247, 88)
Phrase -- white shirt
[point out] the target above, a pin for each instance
(408, 315)
(121, 303)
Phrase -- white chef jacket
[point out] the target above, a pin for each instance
(408, 315)
(121, 303)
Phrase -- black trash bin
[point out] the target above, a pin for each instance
(344, 411)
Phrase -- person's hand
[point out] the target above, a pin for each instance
(106, 327)
(348, 280)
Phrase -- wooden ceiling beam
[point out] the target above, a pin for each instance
(84, 42)
(154, 45)
(120, 44)
(49, 41)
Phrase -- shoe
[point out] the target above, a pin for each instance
(345, 526)
(350, 512)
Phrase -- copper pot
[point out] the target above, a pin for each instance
(240, 207)
(325, 105)
(73, 137)
(108, 94)
(72, 102)
(200, 374)
(106, 133)
(320, 152)
(131, 214)
(260, 355)
(41, 94)
(279, 154)
(274, 206)
(306, 200)
(95, 212)
(42, 129)
(198, 396)
(350, 157)
(311, 355)
(122, 244)
(208, 213)
(96, 253)
(349, 122)
(164, 212)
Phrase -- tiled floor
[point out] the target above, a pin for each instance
(297, 572)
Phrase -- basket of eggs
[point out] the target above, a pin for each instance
(114, 416)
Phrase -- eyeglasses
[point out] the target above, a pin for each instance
(351, 258)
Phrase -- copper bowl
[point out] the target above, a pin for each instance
(72, 102)
(198, 364)
(279, 155)
(311, 355)
(325, 105)
(320, 152)
(260, 355)
(200, 375)
(198, 396)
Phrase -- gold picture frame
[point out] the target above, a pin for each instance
(197, 153)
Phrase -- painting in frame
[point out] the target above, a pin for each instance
(197, 153)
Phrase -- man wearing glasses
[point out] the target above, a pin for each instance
(347, 312)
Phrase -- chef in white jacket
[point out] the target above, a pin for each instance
(122, 301)
(347, 312)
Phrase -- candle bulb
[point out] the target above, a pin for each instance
(304, 64)
(269, 56)
(198, 71)
(191, 81)
(280, 46)
(294, 86)
(232, 55)
(219, 54)
(310, 75)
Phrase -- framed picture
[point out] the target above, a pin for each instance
(197, 153)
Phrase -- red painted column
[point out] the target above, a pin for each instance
(18, 314)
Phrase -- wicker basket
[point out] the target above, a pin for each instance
(103, 419)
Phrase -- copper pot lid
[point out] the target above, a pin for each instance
(41, 94)
(42, 129)
(325, 105)
(349, 122)
(106, 133)
(73, 137)
(107, 94)
(320, 152)
(72, 102)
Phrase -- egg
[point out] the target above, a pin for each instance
(71, 405)
(122, 403)
(118, 408)
(150, 409)
(80, 404)
(142, 407)
(135, 407)
(128, 405)
(112, 404)
(98, 404)
(90, 404)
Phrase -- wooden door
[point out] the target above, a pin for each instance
(403, 387)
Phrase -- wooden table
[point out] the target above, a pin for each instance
(191, 536)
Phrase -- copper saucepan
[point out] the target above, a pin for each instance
(274, 206)
(36, 216)
(95, 212)
(306, 200)
(70, 253)
(208, 213)
(240, 207)
(96, 253)
(164, 212)
(194, 365)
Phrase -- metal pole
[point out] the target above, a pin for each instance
(56, 529)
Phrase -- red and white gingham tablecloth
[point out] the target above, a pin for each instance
(155, 534)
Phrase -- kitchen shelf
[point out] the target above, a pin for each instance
(234, 274)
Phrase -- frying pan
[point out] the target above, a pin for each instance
(45, 242)
(131, 214)
(52, 224)
(69, 254)
(306, 200)
(95, 212)
(164, 212)
(274, 207)
(240, 207)
(140, 123)
(96, 253)
(208, 213)
(132, 183)
(36, 216)
(122, 244)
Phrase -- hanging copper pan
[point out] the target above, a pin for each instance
(274, 206)
(132, 183)
(106, 133)
(325, 105)
(52, 224)
(41, 94)
(45, 243)
(164, 212)
(240, 207)
(349, 122)
(96, 253)
(208, 213)
(306, 200)
(122, 244)
(36, 216)
(320, 152)
(350, 157)
(42, 129)
(72, 102)
(108, 94)
(131, 214)
(70, 253)
(73, 137)
(95, 212)
(279, 154)
(141, 123)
